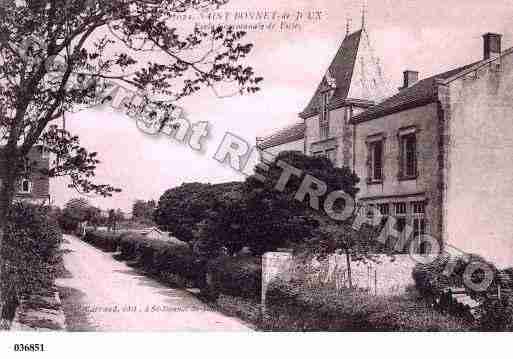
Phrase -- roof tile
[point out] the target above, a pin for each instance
(285, 135)
(421, 93)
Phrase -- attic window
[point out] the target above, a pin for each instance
(324, 118)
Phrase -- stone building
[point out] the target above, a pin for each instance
(435, 155)
(34, 186)
(352, 83)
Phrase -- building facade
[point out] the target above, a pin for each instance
(434, 155)
(352, 83)
(34, 185)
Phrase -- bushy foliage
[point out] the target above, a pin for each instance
(108, 241)
(498, 315)
(30, 252)
(294, 306)
(263, 217)
(235, 276)
(433, 278)
(143, 211)
(252, 213)
(180, 209)
(160, 258)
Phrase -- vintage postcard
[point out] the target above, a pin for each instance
(255, 166)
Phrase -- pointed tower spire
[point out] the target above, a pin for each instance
(364, 13)
(348, 25)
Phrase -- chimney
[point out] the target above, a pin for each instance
(410, 77)
(492, 45)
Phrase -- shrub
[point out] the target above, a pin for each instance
(30, 251)
(294, 306)
(235, 276)
(160, 258)
(176, 259)
(108, 241)
(129, 244)
(431, 279)
(498, 315)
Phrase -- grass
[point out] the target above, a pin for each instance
(322, 309)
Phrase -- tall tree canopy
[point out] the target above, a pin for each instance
(60, 56)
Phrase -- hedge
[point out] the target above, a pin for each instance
(235, 276)
(108, 241)
(160, 258)
(294, 306)
(31, 254)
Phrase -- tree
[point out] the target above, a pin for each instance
(59, 56)
(78, 208)
(75, 211)
(254, 214)
(327, 236)
(182, 208)
(281, 218)
(115, 217)
(143, 210)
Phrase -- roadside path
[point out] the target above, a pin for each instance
(102, 294)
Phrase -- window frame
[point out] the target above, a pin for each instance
(20, 187)
(372, 142)
(403, 136)
(324, 116)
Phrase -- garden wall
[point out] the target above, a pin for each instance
(388, 276)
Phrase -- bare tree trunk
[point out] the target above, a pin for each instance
(7, 297)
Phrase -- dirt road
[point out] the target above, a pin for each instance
(102, 294)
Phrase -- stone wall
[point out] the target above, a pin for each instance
(387, 276)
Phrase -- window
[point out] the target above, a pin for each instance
(419, 207)
(318, 154)
(324, 118)
(408, 156)
(400, 213)
(331, 154)
(376, 161)
(419, 223)
(25, 186)
(419, 226)
(400, 208)
(384, 209)
(419, 229)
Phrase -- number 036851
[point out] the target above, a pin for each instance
(29, 347)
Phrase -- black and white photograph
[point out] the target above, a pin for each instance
(263, 168)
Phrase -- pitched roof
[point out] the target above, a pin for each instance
(288, 134)
(340, 70)
(423, 92)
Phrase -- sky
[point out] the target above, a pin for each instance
(426, 36)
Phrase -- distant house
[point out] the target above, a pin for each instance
(33, 186)
(157, 234)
